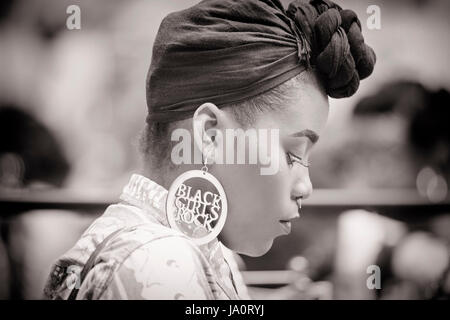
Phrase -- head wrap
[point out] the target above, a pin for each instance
(227, 51)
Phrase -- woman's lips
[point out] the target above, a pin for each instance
(286, 226)
(286, 223)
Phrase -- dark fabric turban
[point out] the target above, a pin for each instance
(227, 51)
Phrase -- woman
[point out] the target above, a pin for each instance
(246, 67)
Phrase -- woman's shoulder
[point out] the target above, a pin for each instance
(134, 248)
(165, 268)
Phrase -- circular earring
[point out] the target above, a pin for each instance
(196, 205)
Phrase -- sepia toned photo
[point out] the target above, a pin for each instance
(247, 150)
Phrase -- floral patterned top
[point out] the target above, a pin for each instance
(146, 259)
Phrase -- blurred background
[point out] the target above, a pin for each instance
(72, 104)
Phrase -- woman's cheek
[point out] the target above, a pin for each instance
(275, 189)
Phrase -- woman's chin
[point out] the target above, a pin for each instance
(257, 250)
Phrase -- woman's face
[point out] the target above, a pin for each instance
(257, 202)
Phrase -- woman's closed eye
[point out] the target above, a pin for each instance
(292, 158)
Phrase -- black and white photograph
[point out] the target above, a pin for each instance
(251, 150)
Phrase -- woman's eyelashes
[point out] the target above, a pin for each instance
(292, 158)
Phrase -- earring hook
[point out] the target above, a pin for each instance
(205, 159)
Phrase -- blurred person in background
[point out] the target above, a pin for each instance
(421, 118)
(276, 72)
(31, 160)
(403, 141)
(30, 155)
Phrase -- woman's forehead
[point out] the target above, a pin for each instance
(307, 111)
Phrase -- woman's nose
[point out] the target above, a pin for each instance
(302, 188)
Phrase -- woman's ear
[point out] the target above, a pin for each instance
(206, 121)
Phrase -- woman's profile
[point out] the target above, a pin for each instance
(237, 96)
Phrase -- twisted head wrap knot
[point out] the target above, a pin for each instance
(336, 43)
(227, 51)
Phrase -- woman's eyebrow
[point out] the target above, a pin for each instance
(311, 135)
